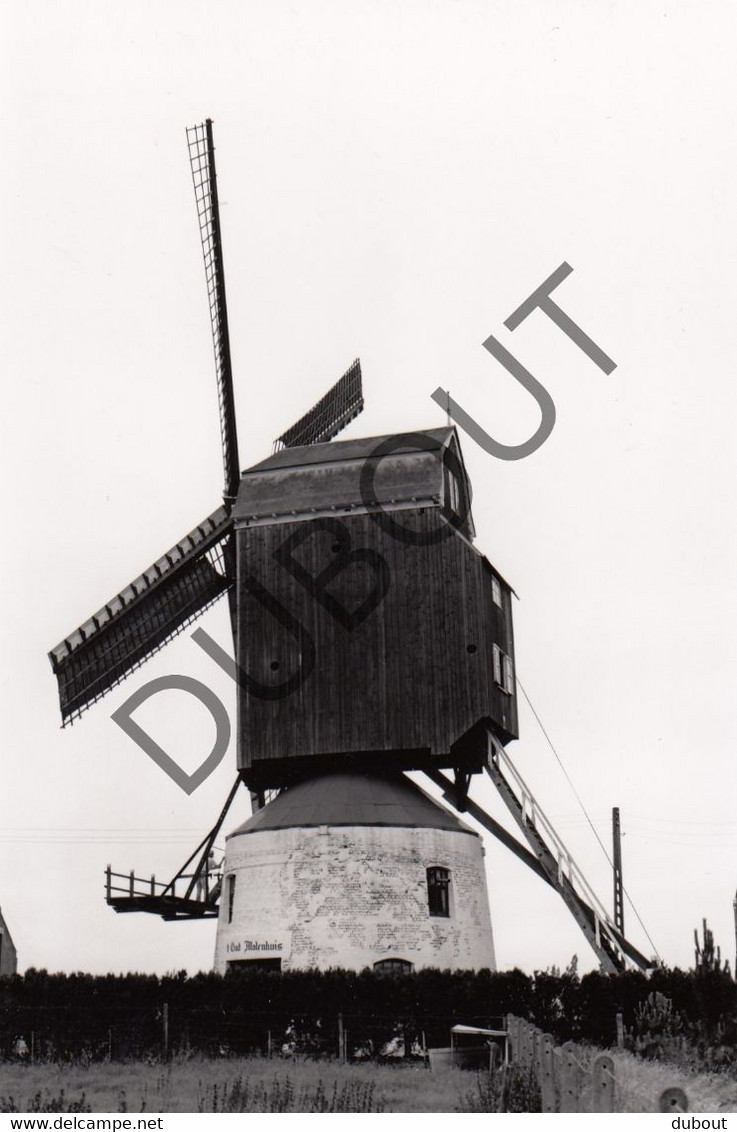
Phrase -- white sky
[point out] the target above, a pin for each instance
(395, 179)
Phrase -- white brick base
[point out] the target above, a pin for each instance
(348, 896)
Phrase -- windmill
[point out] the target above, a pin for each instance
(371, 639)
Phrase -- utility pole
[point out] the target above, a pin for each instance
(342, 1044)
(617, 864)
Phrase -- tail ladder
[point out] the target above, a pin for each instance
(558, 864)
(549, 858)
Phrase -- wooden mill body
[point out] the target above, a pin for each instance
(370, 633)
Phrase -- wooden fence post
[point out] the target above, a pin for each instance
(602, 1080)
(165, 1028)
(512, 1037)
(673, 1100)
(519, 1037)
(537, 1040)
(526, 1043)
(571, 1074)
(547, 1075)
(563, 1080)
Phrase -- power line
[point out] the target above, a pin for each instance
(633, 818)
(94, 837)
(585, 812)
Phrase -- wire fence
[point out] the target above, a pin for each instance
(51, 1033)
(567, 1078)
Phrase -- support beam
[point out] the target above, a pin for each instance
(547, 856)
(607, 941)
(205, 846)
(166, 903)
(462, 782)
(608, 956)
(479, 815)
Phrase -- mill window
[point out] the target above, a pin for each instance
(393, 967)
(438, 891)
(503, 671)
(496, 591)
(254, 965)
(454, 495)
(230, 892)
(454, 499)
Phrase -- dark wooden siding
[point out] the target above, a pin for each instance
(8, 956)
(400, 686)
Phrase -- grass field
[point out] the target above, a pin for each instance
(248, 1085)
(260, 1085)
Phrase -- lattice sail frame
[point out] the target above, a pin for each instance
(145, 616)
(202, 163)
(185, 581)
(331, 413)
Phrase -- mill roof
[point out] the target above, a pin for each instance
(407, 471)
(357, 448)
(4, 927)
(354, 799)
